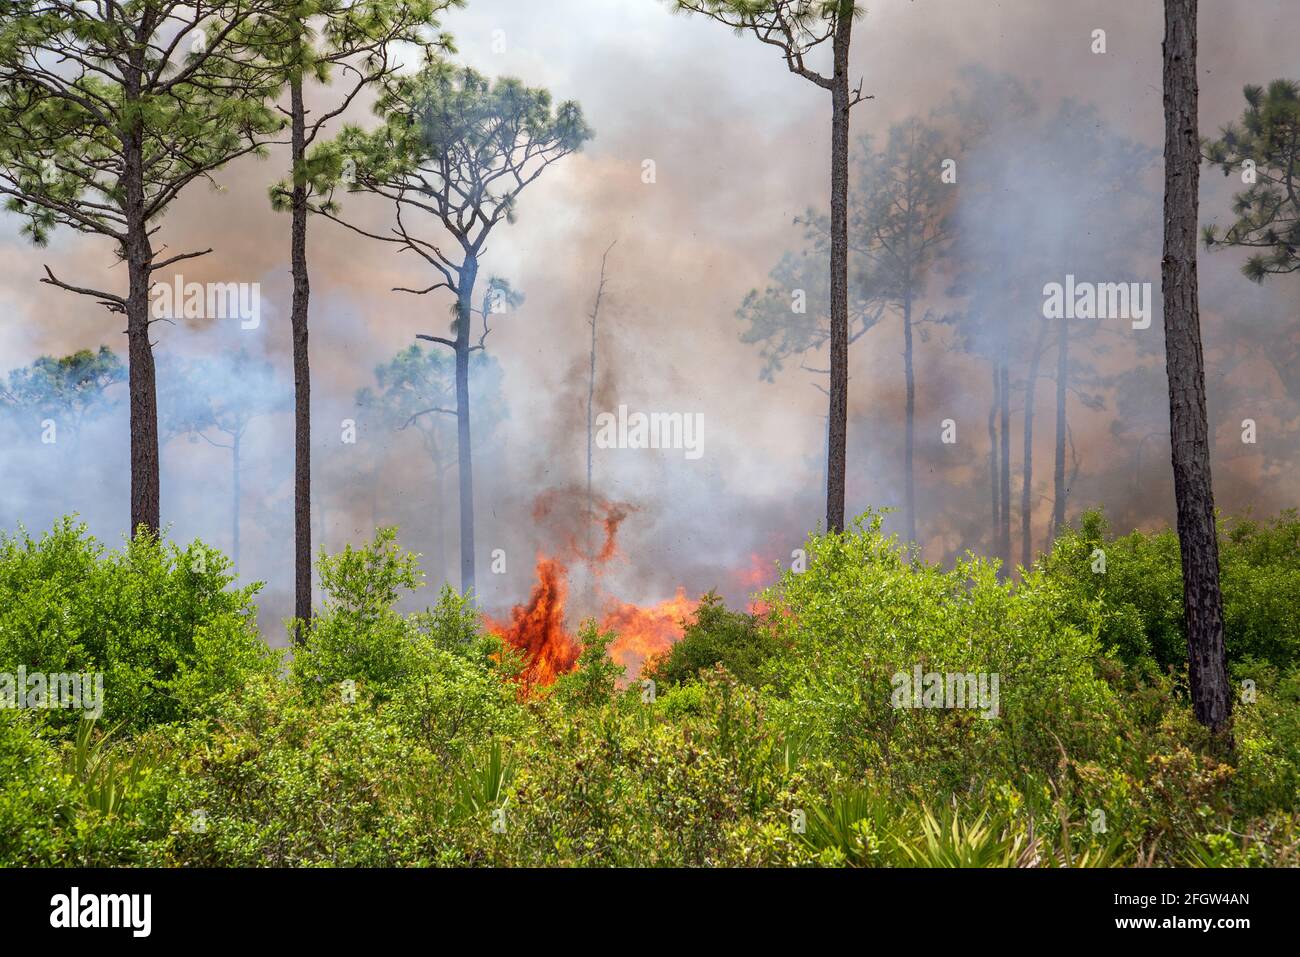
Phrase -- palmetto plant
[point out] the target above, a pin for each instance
(482, 785)
(868, 830)
(947, 839)
(856, 822)
(105, 781)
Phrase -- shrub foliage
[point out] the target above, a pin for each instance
(775, 738)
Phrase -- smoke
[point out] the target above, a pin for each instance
(739, 149)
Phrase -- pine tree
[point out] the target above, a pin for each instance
(798, 28)
(319, 40)
(415, 391)
(1189, 429)
(215, 401)
(1265, 149)
(107, 113)
(900, 219)
(457, 150)
(72, 385)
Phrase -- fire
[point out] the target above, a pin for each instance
(561, 513)
(645, 632)
(757, 574)
(537, 628)
(754, 578)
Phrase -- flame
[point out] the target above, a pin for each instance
(645, 632)
(756, 575)
(760, 573)
(562, 515)
(537, 628)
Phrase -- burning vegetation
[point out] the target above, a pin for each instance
(538, 628)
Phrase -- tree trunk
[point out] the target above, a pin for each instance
(591, 397)
(1059, 490)
(1027, 465)
(468, 275)
(909, 472)
(145, 508)
(1189, 429)
(1004, 483)
(994, 511)
(440, 520)
(301, 372)
(234, 515)
(839, 386)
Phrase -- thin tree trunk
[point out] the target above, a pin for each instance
(909, 473)
(994, 511)
(839, 344)
(234, 516)
(145, 509)
(591, 394)
(1027, 466)
(1060, 490)
(1189, 428)
(468, 275)
(301, 371)
(440, 519)
(1004, 483)
(591, 397)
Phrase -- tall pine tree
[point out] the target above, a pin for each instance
(107, 113)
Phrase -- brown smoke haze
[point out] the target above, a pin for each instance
(740, 149)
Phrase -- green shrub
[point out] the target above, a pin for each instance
(433, 673)
(358, 636)
(403, 740)
(159, 621)
(35, 797)
(716, 635)
(595, 676)
(1261, 582)
(72, 803)
(1268, 745)
(454, 703)
(864, 611)
(1140, 594)
(281, 781)
(854, 827)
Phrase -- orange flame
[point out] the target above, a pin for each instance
(760, 573)
(644, 633)
(537, 628)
